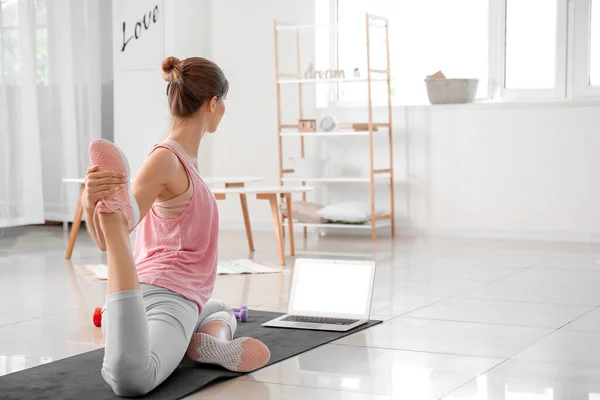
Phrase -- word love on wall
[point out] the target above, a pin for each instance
(139, 36)
(145, 23)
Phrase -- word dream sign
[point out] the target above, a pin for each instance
(311, 73)
(139, 34)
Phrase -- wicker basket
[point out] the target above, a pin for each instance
(451, 91)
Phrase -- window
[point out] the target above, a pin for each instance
(453, 40)
(13, 14)
(9, 41)
(518, 49)
(41, 18)
(528, 57)
(595, 44)
(586, 61)
(530, 53)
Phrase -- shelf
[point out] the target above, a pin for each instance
(329, 80)
(341, 179)
(377, 73)
(289, 27)
(334, 133)
(304, 27)
(378, 224)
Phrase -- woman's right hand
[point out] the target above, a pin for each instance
(99, 184)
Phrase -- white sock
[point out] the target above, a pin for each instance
(239, 355)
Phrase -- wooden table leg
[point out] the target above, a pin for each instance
(244, 202)
(288, 199)
(76, 224)
(283, 218)
(276, 224)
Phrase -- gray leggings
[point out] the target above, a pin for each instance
(147, 333)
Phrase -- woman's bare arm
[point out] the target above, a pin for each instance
(153, 178)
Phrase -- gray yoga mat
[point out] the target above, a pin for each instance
(79, 377)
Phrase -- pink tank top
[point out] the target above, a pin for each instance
(173, 208)
(180, 254)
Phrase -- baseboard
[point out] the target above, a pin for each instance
(268, 227)
(62, 217)
(549, 236)
(21, 221)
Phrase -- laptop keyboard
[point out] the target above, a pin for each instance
(319, 320)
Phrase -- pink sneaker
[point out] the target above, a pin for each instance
(108, 156)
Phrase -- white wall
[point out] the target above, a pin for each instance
(506, 171)
(509, 171)
(475, 170)
(515, 171)
(141, 109)
(239, 37)
(242, 43)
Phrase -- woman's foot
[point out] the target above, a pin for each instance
(108, 156)
(238, 355)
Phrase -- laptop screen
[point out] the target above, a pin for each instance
(323, 288)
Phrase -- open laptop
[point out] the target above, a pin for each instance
(329, 295)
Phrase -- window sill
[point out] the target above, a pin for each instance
(478, 104)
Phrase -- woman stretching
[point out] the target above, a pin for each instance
(157, 306)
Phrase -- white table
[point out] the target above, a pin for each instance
(238, 182)
(271, 193)
(230, 182)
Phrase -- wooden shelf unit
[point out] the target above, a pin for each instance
(291, 129)
(368, 225)
(337, 179)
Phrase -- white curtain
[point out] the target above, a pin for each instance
(55, 96)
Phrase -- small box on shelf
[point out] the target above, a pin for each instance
(361, 127)
(307, 125)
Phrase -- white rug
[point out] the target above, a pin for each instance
(225, 267)
(94, 271)
(237, 267)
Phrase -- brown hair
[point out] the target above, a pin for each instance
(192, 82)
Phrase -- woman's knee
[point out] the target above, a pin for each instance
(226, 316)
(214, 306)
(128, 378)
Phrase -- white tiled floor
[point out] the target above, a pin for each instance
(444, 269)
(254, 390)
(588, 322)
(550, 276)
(399, 374)
(532, 381)
(8, 320)
(565, 347)
(448, 337)
(464, 319)
(502, 312)
(524, 292)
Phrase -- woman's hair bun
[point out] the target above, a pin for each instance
(171, 69)
(203, 81)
